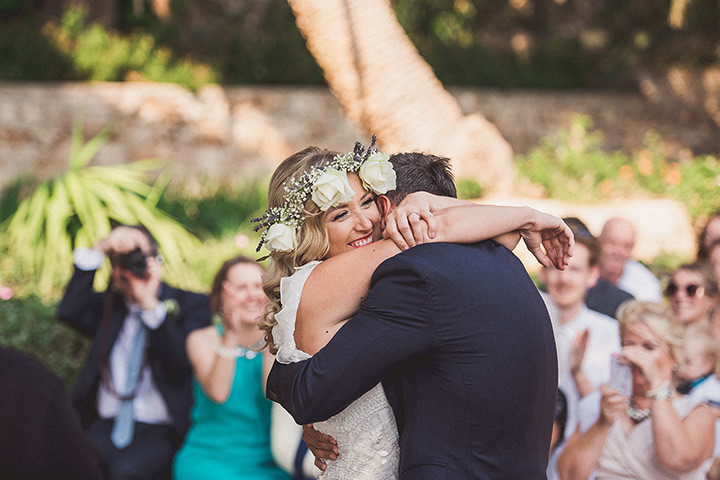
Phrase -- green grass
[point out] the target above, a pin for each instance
(31, 325)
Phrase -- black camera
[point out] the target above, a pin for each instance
(135, 262)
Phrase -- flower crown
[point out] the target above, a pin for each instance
(327, 186)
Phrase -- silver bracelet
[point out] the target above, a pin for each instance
(663, 392)
(226, 352)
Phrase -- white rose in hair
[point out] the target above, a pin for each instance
(331, 188)
(377, 173)
(280, 237)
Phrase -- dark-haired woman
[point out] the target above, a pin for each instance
(230, 433)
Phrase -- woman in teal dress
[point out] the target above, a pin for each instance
(230, 433)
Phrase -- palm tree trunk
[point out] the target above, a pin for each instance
(387, 88)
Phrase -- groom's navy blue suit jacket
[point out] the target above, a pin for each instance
(464, 346)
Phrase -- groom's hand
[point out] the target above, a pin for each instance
(322, 446)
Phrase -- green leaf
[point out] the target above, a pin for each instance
(78, 208)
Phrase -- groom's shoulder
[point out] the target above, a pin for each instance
(487, 248)
(432, 255)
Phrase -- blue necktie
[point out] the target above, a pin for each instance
(124, 426)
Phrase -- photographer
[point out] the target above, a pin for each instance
(134, 391)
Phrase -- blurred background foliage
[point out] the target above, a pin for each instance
(572, 165)
(514, 43)
(553, 44)
(81, 206)
(215, 221)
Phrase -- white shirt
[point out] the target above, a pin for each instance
(604, 340)
(148, 404)
(640, 282)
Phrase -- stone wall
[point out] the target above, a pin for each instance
(230, 134)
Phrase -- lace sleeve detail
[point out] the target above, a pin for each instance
(283, 333)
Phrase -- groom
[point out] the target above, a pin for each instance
(463, 344)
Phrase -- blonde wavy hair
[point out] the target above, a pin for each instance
(312, 239)
(659, 319)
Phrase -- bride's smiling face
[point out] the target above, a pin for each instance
(353, 224)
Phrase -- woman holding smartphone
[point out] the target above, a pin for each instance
(655, 433)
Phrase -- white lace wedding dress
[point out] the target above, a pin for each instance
(365, 431)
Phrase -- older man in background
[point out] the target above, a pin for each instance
(617, 241)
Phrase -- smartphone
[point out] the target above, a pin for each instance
(620, 376)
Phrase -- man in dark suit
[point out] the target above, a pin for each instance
(135, 412)
(463, 344)
(603, 297)
(41, 437)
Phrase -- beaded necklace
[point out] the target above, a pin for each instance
(637, 414)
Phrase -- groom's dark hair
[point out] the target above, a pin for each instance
(417, 172)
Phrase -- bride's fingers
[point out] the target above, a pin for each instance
(418, 227)
(429, 219)
(559, 249)
(391, 232)
(541, 256)
(555, 253)
(405, 228)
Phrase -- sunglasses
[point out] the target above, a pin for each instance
(691, 290)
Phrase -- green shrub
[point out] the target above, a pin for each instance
(106, 56)
(219, 210)
(10, 197)
(29, 324)
(77, 209)
(572, 166)
(468, 188)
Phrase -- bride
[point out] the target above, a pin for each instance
(323, 205)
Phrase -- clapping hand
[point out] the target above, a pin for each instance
(577, 350)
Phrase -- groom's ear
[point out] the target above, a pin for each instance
(385, 206)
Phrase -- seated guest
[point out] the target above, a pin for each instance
(710, 233)
(289, 449)
(558, 431)
(603, 297)
(230, 433)
(714, 258)
(617, 240)
(655, 433)
(134, 391)
(693, 292)
(585, 339)
(41, 437)
(698, 373)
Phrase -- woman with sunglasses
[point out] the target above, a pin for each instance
(693, 293)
